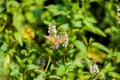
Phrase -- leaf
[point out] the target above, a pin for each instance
(60, 70)
(2, 27)
(1, 9)
(31, 67)
(78, 24)
(20, 61)
(100, 46)
(53, 9)
(90, 26)
(118, 57)
(2, 71)
(81, 46)
(93, 28)
(55, 77)
(91, 19)
(77, 63)
(109, 68)
(29, 16)
(99, 32)
(65, 26)
(114, 75)
(18, 37)
(3, 47)
(41, 76)
(6, 61)
(32, 50)
(71, 75)
(24, 52)
(15, 72)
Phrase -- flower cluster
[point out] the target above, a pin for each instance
(118, 11)
(65, 36)
(28, 33)
(94, 69)
(52, 30)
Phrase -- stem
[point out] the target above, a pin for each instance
(84, 39)
(83, 5)
(24, 73)
(64, 60)
(48, 64)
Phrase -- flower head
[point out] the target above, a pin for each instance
(118, 11)
(65, 36)
(94, 69)
(52, 30)
(28, 33)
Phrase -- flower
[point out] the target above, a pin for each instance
(65, 36)
(94, 69)
(118, 11)
(28, 33)
(52, 30)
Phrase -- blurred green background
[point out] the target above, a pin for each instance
(93, 28)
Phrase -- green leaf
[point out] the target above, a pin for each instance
(1, 9)
(14, 72)
(91, 19)
(3, 47)
(99, 32)
(78, 24)
(2, 27)
(90, 26)
(32, 50)
(65, 26)
(41, 76)
(31, 67)
(109, 68)
(20, 61)
(53, 9)
(81, 46)
(77, 63)
(61, 71)
(69, 67)
(18, 37)
(12, 6)
(71, 75)
(29, 16)
(118, 57)
(2, 71)
(24, 52)
(55, 77)
(100, 46)
(114, 75)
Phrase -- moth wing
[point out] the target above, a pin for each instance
(61, 40)
(50, 38)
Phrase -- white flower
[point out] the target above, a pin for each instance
(94, 69)
(52, 29)
(118, 11)
(65, 36)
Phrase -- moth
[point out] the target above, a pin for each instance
(56, 40)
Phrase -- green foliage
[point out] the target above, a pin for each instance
(93, 29)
